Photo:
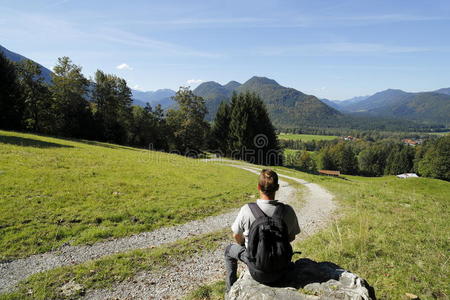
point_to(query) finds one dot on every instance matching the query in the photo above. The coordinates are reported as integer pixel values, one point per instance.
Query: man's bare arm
(239, 238)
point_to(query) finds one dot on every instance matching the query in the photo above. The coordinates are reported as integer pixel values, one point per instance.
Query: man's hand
(239, 238)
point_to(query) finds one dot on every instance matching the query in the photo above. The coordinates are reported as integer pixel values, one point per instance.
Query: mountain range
(162, 97)
(287, 107)
(290, 108)
(431, 107)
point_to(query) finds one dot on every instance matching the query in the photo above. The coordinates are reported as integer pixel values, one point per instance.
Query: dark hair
(268, 181)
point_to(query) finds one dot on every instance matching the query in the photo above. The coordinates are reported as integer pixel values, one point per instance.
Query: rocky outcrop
(308, 280)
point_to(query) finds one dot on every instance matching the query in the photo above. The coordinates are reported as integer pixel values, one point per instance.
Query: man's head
(268, 183)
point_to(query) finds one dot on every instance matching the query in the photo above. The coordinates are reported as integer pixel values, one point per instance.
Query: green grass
(440, 133)
(104, 272)
(55, 191)
(306, 137)
(213, 291)
(393, 232)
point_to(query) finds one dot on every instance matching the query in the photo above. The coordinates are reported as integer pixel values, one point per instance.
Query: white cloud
(124, 67)
(194, 81)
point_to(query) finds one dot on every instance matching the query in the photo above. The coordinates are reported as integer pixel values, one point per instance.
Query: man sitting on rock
(266, 228)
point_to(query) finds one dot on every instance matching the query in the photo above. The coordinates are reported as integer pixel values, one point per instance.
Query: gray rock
(308, 280)
(71, 289)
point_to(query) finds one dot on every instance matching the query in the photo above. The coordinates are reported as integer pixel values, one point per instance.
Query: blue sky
(333, 49)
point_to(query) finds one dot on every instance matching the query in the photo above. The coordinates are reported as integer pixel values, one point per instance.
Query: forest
(367, 157)
(101, 109)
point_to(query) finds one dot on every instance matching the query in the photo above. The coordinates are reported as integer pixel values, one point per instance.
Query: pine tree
(220, 130)
(252, 136)
(11, 100)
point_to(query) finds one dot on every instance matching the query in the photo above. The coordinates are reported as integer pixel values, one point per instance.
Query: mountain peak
(232, 85)
(261, 80)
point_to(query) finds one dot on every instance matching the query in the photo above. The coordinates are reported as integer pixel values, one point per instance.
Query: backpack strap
(279, 211)
(256, 211)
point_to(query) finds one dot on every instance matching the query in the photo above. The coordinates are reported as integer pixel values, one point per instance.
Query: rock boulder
(308, 280)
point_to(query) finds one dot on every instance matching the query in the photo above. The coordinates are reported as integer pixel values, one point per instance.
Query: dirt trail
(176, 281)
(173, 282)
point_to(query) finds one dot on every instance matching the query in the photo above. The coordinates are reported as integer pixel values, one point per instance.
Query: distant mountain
(425, 106)
(445, 91)
(332, 103)
(380, 99)
(286, 106)
(232, 85)
(343, 104)
(214, 93)
(46, 73)
(289, 107)
(162, 96)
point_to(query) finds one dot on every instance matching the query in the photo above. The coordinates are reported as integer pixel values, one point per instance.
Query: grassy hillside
(393, 232)
(55, 191)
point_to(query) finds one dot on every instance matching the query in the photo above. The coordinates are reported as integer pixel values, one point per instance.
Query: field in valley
(306, 137)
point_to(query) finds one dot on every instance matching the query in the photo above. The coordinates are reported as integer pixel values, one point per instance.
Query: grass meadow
(306, 137)
(56, 191)
(393, 232)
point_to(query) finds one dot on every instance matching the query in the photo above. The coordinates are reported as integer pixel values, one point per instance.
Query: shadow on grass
(110, 146)
(27, 142)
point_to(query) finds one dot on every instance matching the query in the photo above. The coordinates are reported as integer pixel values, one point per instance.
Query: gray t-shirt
(245, 218)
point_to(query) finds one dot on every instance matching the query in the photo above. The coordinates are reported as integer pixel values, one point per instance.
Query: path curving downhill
(175, 281)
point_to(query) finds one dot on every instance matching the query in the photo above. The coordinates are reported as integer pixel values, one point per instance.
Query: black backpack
(269, 251)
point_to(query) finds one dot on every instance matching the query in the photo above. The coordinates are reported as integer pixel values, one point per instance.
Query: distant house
(412, 142)
(330, 173)
(349, 138)
(407, 175)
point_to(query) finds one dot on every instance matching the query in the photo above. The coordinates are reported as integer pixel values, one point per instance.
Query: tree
(339, 157)
(252, 136)
(11, 100)
(399, 160)
(36, 94)
(187, 122)
(113, 101)
(305, 162)
(372, 161)
(72, 115)
(436, 161)
(148, 128)
(220, 129)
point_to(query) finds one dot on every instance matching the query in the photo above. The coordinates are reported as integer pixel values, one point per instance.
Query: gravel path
(177, 281)
(173, 282)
